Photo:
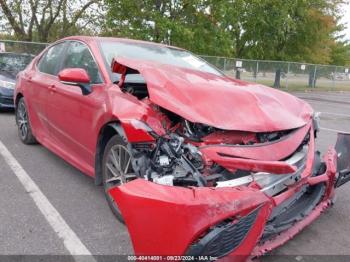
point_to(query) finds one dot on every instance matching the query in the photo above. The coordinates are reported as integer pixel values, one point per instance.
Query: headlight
(137, 131)
(153, 127)
(6, 84)
(137, 124)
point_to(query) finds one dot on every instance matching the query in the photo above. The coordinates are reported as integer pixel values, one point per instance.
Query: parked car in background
(195, 162)
(10, 65)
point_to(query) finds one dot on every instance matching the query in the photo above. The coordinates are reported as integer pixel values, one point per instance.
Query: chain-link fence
(21, 47)
(287, 75)
(279, 74)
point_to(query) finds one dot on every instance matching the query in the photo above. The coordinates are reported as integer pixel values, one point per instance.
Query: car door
(39, 81)
(71, 114)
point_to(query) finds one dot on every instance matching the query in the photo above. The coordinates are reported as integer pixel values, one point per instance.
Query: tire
(23, 123)
(112, 174)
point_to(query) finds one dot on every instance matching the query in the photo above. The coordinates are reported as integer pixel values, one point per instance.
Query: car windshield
(158, 53)
(12, 64)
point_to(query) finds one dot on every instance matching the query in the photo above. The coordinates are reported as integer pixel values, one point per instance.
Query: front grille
(223, 238)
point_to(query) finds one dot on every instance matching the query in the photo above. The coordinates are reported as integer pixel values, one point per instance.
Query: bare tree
(29, 18)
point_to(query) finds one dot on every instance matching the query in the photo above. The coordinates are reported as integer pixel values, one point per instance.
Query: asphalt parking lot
(25, 230)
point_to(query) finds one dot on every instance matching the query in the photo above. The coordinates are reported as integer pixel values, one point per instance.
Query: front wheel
(116, 169)
(23, 124)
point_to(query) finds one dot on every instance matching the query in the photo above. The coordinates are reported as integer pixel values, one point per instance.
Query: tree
(184, 23)
(299, 30)
(294, 30)
(35, 19)
(340, 53)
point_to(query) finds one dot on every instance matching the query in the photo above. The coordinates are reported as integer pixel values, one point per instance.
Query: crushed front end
(199, 190)
(203, 191)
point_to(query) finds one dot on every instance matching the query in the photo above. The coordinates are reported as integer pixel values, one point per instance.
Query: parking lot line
(58, 224)
(335, 114)
(333, 130)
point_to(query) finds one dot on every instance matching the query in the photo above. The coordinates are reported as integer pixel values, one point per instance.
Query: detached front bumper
(230, 223)
(165, 220)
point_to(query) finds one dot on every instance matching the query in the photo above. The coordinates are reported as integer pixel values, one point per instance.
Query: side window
(49, 61)
(78, 56)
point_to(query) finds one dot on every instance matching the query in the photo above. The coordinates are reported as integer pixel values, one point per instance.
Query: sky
(346, 19)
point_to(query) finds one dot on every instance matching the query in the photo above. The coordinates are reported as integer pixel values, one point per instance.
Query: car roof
(116, 39)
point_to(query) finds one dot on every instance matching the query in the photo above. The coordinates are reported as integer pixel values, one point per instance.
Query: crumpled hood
(220, 101)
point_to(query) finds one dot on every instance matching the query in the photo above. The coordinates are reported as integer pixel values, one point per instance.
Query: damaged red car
(194, 162)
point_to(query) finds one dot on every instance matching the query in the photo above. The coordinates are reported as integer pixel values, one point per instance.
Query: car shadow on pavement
(7, 111)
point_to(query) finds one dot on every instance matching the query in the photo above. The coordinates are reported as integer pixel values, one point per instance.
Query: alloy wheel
(118, 166)
(22, 120)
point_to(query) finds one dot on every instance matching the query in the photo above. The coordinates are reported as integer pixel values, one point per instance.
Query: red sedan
(196, 163)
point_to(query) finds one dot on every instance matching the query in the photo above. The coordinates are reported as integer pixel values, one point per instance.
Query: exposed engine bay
(175, 159)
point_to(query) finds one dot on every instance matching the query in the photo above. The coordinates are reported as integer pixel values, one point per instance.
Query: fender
(106, 132)
(109, 130)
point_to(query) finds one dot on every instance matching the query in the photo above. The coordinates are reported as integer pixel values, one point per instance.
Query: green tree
(184, 23)
(300, 30)
(295, 30)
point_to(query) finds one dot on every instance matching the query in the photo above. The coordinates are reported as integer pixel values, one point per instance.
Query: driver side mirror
(76, 77)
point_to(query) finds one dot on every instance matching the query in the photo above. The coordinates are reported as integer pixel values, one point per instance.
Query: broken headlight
(139, 125)
(140, 131)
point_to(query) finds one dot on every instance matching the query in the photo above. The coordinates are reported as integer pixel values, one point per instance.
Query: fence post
(334, 76)
(314, 78)
(225, 65)
(257, 71)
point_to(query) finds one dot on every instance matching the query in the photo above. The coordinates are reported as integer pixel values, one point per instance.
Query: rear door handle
(52, 88)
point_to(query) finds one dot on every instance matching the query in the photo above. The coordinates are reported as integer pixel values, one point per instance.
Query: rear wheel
(116, 169)
(23, 124)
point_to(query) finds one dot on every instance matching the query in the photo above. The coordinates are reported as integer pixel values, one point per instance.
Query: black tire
(110, 171)
(23, 123)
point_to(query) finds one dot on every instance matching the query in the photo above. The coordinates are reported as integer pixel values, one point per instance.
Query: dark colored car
(195, 162)
(10, 65)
